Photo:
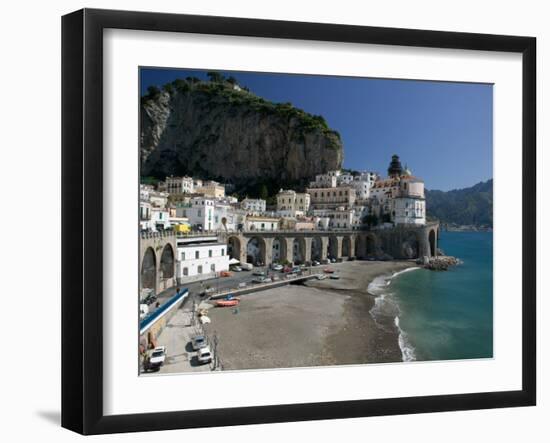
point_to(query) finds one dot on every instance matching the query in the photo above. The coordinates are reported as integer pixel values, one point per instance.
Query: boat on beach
(227, 303)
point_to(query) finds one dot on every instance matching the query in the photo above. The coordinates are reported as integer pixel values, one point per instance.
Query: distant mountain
(468, 206)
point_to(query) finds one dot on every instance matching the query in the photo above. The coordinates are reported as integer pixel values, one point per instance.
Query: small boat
(227, 303)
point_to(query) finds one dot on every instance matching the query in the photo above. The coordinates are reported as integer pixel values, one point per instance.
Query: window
(210, 253)
(183, 256)
(199, 213)
(213, 267)
(223, 252)
(199, 269)
(196, 254)
(263, 226)
(185, 271)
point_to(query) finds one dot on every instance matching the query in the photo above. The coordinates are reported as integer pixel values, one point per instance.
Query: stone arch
(370, 245)
(316, 248)
(410, 248)
(360, 246)
(432, 242)
(278, 249)
(298, 250)
(167, 262)
(346, 246)
(333, 246)
(149, 270)
(256, 251)
(234, 247)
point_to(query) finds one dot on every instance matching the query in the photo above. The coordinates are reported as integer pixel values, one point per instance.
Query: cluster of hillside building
(333, 201)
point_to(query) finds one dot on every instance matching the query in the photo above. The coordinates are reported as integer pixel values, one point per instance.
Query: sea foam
(386, 308)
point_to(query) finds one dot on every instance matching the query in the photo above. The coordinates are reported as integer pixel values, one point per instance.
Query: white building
(225, 216)
(200, 212)
(179, 185)
(253, 205)
(200, 258)
(333, 197)
(259, 223)
(209, 188)
(158, 199)
(292, 204)
(328, 180)
(160, 219)
(409, 206)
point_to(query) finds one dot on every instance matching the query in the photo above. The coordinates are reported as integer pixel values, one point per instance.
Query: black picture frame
(82, 230)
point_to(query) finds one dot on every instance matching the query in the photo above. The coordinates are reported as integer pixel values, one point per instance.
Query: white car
(198, 342)
(204, 355)
(237, 269)
(261, 280)
(156, 358)
(277, 267)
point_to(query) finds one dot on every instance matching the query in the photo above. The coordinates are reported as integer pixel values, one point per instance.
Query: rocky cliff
(217, 130)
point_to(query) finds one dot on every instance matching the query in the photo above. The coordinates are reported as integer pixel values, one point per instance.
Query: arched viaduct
(157, 263)
(158, 251)
(266, 247)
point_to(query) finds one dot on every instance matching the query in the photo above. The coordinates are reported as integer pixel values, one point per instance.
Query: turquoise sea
(443, 315)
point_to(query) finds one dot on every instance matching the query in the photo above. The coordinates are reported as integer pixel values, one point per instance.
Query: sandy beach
(323, 322)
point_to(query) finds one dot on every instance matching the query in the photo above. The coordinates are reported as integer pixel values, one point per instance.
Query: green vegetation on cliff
(218, 130)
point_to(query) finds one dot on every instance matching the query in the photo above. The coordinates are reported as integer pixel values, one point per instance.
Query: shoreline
(365, 337)
(318, 323)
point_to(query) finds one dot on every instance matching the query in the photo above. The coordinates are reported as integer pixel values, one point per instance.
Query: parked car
(155, 359)
(242, 284)
(333, 260)
(261, 280)
(204, 355)
(225, 274)
(258, 272)
(199, 342)
(321, 276)
(236, 269)
(328, 271)
(277, 267)
(296, 269)
(247, 266)
(335, 276)
(315, 263)
(287, 269)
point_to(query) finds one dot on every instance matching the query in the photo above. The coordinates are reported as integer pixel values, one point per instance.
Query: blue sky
(441, 130)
